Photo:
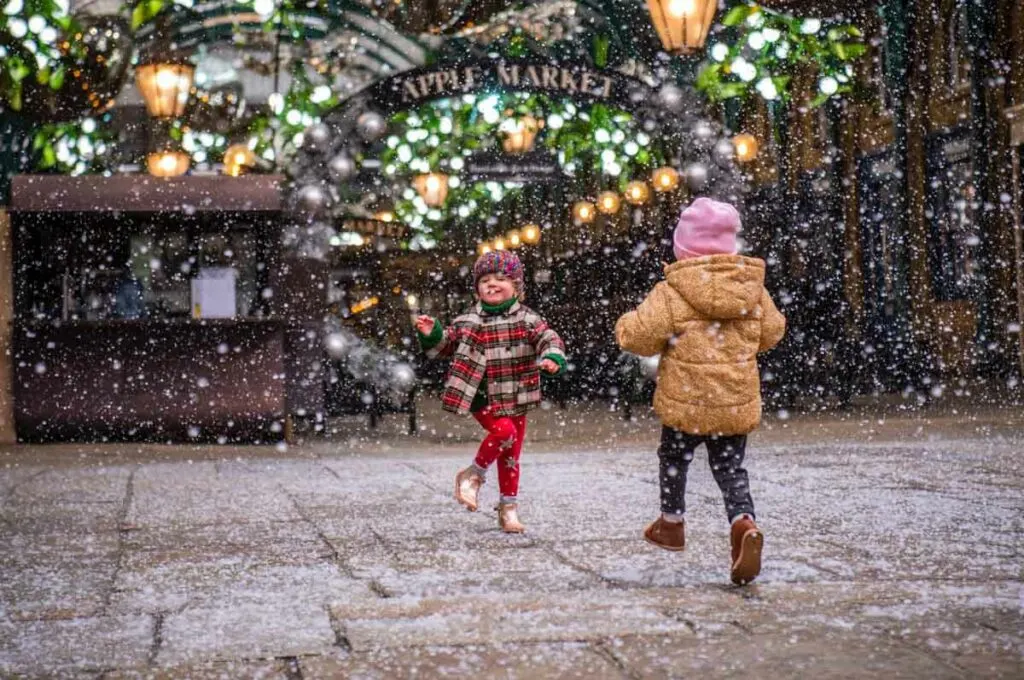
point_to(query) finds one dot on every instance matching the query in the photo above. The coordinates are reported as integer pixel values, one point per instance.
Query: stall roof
(144, 193)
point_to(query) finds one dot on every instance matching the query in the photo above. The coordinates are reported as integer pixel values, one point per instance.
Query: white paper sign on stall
(213, 293)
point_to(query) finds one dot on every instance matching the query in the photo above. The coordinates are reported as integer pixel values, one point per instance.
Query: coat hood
(719, 286)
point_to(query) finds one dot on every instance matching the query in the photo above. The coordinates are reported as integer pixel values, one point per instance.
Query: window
(951, 211)
(957, 67)
(99, 266)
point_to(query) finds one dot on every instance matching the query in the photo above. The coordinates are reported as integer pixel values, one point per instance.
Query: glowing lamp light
(484, 248)
(167, 163)
(499, 244)
(584, 212)
(746, 147)
(385, 216)
(682, 25)
(665, 179)
(237, 158)
(165, 87)
(432, 188)
(530, 234)
(609, 203)
(513, 239)
(520, 134)
(637, 193)
(363, 305)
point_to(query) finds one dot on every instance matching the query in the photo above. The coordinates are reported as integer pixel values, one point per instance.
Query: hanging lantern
(530, 234)
(165, 86)
(167, 163)
(637, 193)
(520, 134)
(432, 188)
(682, 25)
(514, 239)
(583, 212)
(237, 158)
(665, 179)
(609, 203)
(746, 147)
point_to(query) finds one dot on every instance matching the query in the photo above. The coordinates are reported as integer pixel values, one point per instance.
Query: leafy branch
(768, 50)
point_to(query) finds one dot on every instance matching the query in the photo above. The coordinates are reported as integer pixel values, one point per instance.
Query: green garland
(768, 50)
(30, 49)
(599, 146)
(77, 147)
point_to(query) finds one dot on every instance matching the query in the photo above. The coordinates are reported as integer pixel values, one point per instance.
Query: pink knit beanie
(706, 227)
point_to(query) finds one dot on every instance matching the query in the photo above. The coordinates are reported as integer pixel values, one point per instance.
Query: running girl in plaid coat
(495, 374)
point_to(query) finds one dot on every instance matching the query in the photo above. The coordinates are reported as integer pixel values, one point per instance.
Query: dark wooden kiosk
(144, 308)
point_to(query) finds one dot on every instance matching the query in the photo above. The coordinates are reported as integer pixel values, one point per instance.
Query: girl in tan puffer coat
(708, 320)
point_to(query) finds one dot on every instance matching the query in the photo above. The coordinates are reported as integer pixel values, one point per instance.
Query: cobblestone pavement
(892, 554)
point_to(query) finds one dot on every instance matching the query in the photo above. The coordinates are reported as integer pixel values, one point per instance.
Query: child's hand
(424, 324)
(549, 366)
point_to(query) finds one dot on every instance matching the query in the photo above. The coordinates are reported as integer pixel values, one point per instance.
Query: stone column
(7, 434)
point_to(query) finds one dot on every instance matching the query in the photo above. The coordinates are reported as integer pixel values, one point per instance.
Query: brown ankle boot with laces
(467, 488)
(747, 542)
(508, 518)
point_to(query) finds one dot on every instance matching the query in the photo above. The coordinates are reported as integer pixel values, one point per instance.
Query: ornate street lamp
(432, 188)
(665, 179)
(520, 134)
(608, 202)
(637, 193)
(530, 234)
(746, 147)
(167, 163)
(238, 158)
(682, 25)
(165, 85)
(583, 212)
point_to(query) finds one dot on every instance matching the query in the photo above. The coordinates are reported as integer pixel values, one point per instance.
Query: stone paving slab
(236, 669)
(55, 575)
(850, 656)
(535, 661)
(196, 494)
(234, 631)
(68, 648)
(181, 585)
(490, 619)
(431, 573)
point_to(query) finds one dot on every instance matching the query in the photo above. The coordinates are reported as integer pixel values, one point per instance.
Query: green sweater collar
(499, 309)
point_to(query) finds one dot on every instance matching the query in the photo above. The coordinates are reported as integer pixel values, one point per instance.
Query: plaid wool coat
(505, 347)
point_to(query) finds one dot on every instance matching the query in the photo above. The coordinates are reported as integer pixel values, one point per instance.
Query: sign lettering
(413, 87)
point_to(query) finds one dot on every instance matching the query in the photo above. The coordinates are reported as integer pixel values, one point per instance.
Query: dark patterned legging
(725, 455)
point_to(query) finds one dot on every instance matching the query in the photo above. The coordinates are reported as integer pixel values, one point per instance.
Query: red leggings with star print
(503, 443)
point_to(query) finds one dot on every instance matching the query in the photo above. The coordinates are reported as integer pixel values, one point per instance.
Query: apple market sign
(410, 88)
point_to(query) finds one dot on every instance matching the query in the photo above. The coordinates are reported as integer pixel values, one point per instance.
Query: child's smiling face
(494, 289)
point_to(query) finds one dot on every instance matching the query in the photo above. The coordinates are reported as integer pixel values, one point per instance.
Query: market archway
(595, 132)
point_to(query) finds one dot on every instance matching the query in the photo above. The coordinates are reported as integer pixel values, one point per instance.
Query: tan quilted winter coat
(708, 319)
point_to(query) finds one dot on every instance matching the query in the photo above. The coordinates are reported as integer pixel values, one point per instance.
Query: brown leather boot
(667, 535)
(747, 541)
(467, 488)
(508, 518)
